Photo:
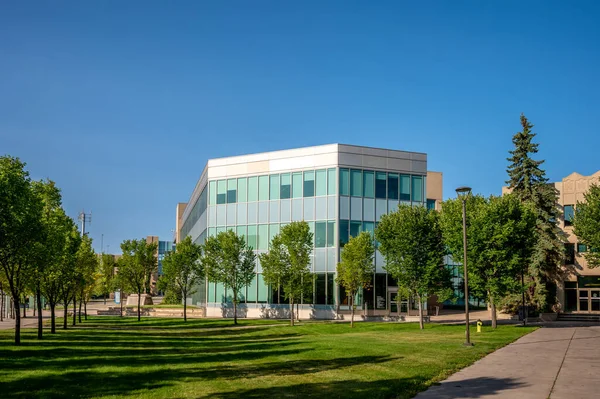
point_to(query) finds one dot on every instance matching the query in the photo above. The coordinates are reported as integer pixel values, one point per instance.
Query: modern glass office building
(339, 190)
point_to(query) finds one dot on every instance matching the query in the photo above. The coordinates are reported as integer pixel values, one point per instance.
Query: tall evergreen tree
(529, 183)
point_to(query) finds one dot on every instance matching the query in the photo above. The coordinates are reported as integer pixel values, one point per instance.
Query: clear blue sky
(121, 103)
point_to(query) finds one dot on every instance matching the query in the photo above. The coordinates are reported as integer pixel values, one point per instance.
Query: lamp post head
(463, 191)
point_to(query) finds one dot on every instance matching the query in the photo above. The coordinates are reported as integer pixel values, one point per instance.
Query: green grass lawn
(203, 358)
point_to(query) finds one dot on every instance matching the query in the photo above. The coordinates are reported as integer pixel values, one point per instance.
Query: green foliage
(228, 260)
(411, 242)
(356, 269)
(528, 182)
(587, 224)
(106, 274)
(182, 269)
(87, 265)
(500, 237)
(286, 265)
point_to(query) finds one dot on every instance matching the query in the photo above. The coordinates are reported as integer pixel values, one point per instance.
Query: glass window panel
(569, 213)
(231, 191)
(212, 231)
(211, 292)
(404, 188)
(369, 227)
(263, 212)
(355, 228)
(242, 189)
(263, 290)
(212, 215)
(221, 215)
(212, 189)
(286, 211)
(252, 215)
(274, 187)
(331, 264)
(344, 228)
(344, 208)
(241, 232)
(368, 184)
(380, 291)
(356, 208)
(252, 189)
(273, 231)
(252, 238)
(309, 209)
(431, 204)
(231, 214)
(220, 230)
(297, 185)
(321, 208)
(344, 182)
(331, 207)
(311, 227)
(321, 182)
(320, 292)
(392, 206)
(251, 295)
(417, 188)
(297, 210)
(242, 215)
(263, 188)
(331, 181)
(330, 233)
(380, 185)
(393, 186)
(320, 260)
(330, 286)
(221, 192)
(274, 211)
(380, 209)
(263, 236)
(286, 186)
(309, 183)
(581, 247)
(369, 209)
(320, 234)
(356, 183)
(220, 293)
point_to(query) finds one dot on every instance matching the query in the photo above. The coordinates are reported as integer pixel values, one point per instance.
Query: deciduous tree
(587, 225)
(287, 263)
(136, 266)
(411, 242)
(356, 269)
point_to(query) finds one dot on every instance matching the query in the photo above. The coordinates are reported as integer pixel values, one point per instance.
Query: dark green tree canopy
(587, 224)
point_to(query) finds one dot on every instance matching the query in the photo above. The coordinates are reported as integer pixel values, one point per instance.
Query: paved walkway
(553, 362)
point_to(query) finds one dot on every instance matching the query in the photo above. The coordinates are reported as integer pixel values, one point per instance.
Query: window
(309, 183)
(569, 213)
(380, 185)
(320, 291)
(321, 182)
(344, 226)
(274, 194)
(380, 291)
(297, 185)
(263, 188)
(393, 186)
(263, 236)
(330, 285)
(356, 183)
(320, 234)
(273, 231)
(330, 233)
(370, 227)
(331, 181)
(231, 191)
(569, 253)
(404, 188)
(242, 191)
(252, 238)
(368, 184)
(431, 204)
(581, 247)
(251, 296)
(252, 189)
(262, 289)
(212, 188)
(355, 228)
(286, 186)
(344, 182)
(417, 188)
(221, 192)
(241, 232)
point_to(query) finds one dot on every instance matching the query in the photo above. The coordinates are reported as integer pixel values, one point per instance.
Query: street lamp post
(462, 193)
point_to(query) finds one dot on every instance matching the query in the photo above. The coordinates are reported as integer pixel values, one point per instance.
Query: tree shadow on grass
(87, 383)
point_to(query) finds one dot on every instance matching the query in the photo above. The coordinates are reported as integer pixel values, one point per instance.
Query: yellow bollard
(479, 324)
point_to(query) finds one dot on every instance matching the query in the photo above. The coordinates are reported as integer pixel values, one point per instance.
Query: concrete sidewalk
(552, 362)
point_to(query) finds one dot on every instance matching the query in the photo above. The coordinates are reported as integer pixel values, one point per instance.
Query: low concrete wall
(192, 312)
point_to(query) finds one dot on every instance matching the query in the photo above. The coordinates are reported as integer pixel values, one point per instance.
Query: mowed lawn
(167, 358)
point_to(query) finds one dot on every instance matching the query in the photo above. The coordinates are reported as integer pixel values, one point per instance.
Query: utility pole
(84, 218)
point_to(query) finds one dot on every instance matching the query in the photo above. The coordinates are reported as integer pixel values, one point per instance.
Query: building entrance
(397, 306)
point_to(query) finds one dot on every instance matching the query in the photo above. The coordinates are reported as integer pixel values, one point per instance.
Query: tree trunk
(493, 312)
(234, 307)
(184, 306)
(85, 310)
(297, 311)
(38, 297)
(139, 303)
(421, 326)
(80, 300)
(121, 302)
(352, 309)
(24, 307)
(17, 321)
(1, 303)
(74, 309)
(292, 311)
(66, 310)
(52, 318)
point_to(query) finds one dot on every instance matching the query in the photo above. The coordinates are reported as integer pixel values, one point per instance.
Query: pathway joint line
(561, 364)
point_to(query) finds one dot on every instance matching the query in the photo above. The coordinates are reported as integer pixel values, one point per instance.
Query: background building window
(581, 247)
(252, 189)
(569, 253)
(286, 186)
(569, 213)
(380, 185)
(309, 183)
(417, 188)
(321, 182)
(431, 204)
(297, 185)
(356, 183)
(368, 184)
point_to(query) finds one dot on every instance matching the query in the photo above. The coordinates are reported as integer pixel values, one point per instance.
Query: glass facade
(337, 203)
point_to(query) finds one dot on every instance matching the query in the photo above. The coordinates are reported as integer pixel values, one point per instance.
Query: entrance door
(393, 303)
(595, 300)
(584, 301)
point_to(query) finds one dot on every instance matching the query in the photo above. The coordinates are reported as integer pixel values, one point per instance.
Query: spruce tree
(529, 183)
